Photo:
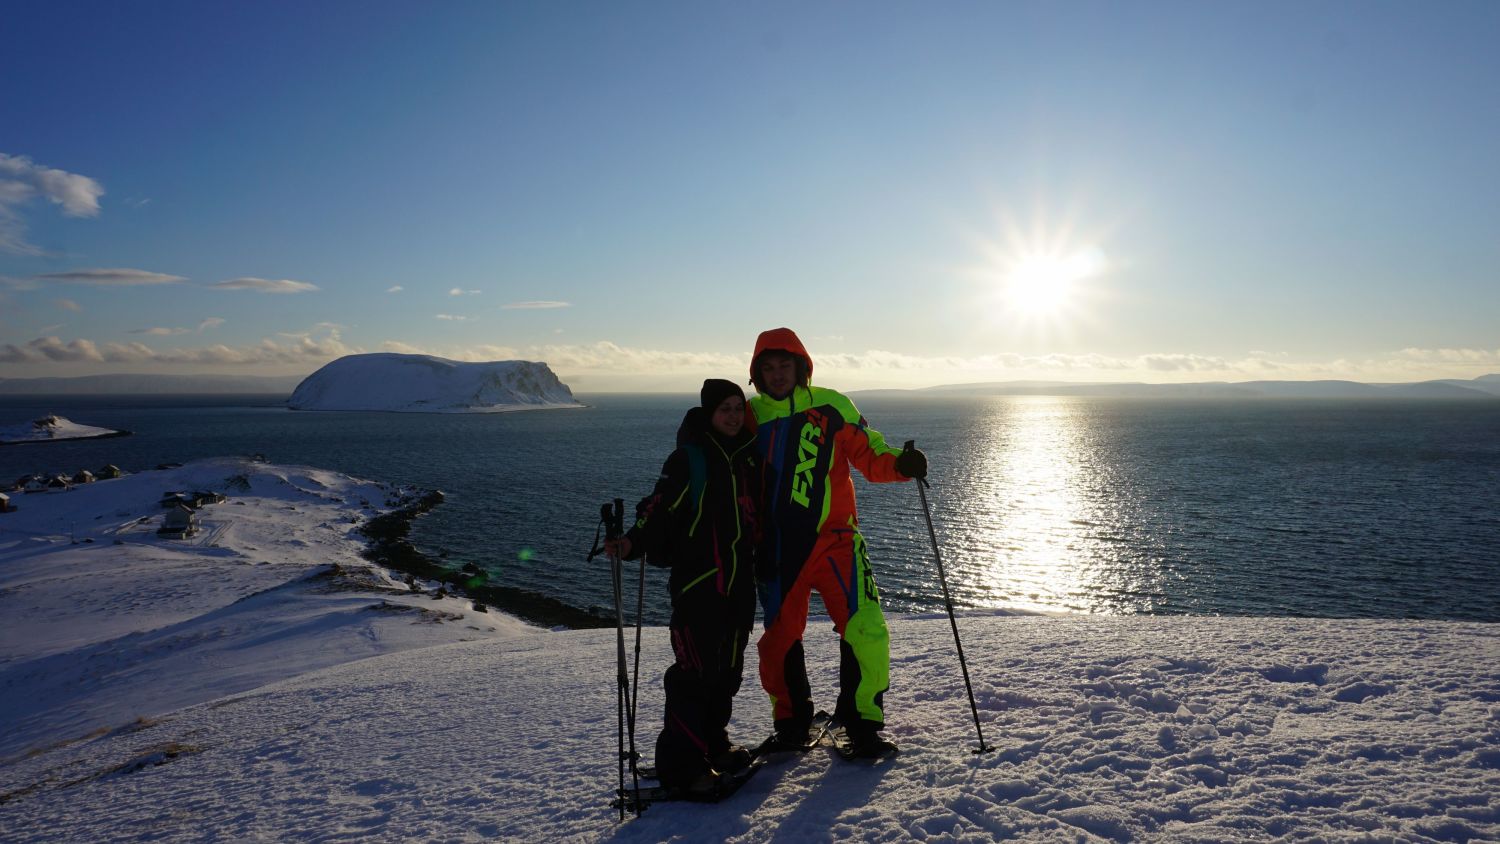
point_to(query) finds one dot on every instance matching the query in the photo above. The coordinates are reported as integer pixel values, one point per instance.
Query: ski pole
(635, 680)
(613, 518)
(614, 576)
(948, 602)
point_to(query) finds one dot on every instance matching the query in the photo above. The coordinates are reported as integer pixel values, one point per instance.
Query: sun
(1044, 284)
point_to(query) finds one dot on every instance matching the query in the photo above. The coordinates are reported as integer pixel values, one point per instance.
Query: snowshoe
(709, 788)
(778, 743)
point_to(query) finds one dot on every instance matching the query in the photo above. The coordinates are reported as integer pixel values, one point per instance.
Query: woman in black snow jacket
(700, 521)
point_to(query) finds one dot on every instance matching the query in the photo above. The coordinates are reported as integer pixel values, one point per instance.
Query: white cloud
(51, 349)
(1185, 363)
(452, 317)
(458, 291)
(395, 288)
(265, 285)
(68, 305)
(306, 350)
(113, 277)
(400, 348)
(1481, 357)
(534, 306)
(602, 356)
(22, 180)
(210, 322)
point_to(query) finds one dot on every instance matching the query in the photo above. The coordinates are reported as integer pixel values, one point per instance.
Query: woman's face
(729, 416)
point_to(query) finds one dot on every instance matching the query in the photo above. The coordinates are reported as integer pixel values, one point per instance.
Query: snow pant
(709, 634)
(839, 569)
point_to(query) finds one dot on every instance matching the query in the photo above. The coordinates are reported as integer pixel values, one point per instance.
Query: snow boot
(860, 742)
(736, 758)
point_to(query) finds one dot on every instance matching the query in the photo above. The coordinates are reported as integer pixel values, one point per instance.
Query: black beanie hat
(716, 390)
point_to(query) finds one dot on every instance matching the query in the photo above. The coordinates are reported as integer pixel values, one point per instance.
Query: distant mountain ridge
(1483, 387)
(150, 384)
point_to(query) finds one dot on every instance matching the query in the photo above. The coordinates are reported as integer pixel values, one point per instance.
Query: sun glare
(1042, 285)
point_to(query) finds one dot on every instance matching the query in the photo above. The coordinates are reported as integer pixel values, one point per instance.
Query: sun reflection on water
(1039, 535)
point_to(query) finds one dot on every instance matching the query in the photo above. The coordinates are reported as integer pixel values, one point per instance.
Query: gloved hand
(912, 463)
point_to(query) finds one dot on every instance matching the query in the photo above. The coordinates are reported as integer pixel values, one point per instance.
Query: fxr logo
(807, 457)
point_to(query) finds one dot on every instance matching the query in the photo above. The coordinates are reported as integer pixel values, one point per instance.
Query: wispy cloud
(307, 350)
(452, 317)
(602, 356)
(395, 288)
(113, 277)
(265, 285)
(68, 305)
(458, 291)
(51, 349)
(210, 322)
(22, 181)
(535, 306)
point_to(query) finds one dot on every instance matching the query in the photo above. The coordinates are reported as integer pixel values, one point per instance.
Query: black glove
(912, 463)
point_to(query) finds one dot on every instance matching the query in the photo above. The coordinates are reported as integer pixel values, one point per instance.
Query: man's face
(778, 371)
(729, 416)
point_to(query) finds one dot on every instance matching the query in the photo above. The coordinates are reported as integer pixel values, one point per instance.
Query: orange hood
(778, 340)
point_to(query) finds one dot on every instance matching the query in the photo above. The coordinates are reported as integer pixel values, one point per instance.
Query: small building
(202, 497)
(35, 483)
(84, 476)
(180, 523)
(22, 481)
(58, 483)
(177, 499)
(5, 506)
(109, 473)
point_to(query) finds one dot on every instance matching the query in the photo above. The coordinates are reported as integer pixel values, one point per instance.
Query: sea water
(1348, 508)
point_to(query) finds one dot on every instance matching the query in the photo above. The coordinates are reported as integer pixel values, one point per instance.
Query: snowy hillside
(50, 429)
(235, 686)
(424, 384)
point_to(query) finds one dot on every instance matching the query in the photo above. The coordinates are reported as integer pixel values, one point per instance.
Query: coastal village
(181, 520)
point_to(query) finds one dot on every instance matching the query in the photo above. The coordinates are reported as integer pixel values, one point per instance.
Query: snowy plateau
(425, 384)
(261, 680)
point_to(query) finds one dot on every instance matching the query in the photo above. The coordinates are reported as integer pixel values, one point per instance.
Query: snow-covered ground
(49, 428)
(235, 687)
(386, 381)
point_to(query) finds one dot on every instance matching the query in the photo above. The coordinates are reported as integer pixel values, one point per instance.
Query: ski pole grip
(617, 521)
(911, 445)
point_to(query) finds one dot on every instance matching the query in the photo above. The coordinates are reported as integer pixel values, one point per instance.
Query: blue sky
(928, 193)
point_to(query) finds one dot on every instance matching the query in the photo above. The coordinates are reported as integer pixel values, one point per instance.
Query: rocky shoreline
(389, 547)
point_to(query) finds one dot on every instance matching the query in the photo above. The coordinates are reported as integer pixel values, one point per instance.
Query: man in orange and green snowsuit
(807, 438)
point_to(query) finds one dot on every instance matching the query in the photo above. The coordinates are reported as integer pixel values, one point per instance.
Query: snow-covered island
(259, 680)
(425, 384)
(53, 428)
